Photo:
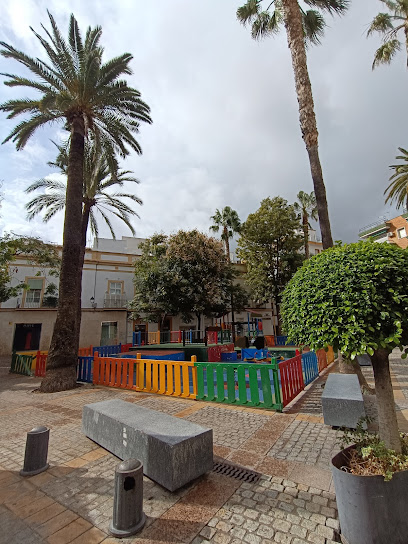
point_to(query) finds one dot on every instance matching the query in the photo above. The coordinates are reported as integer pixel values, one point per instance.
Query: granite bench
(173, 451)
(342, 401)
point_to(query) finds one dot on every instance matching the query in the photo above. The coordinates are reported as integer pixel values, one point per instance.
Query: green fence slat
(266, 387)
(200, 383)
(253, 385)
(210, 382)
(242, 389)
(220, 383)
(278, 397)
(231, 383)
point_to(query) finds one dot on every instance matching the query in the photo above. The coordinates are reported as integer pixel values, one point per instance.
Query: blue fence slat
(310, 366)
(85, 369)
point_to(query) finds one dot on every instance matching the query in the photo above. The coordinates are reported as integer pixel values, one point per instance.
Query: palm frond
(386, 52)
(45, 183)
(381, 23)
(313, 26)
(398, 188)
(248, 12)
(334, 7)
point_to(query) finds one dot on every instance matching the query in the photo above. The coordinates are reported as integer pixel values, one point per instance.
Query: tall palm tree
(389, 25)
(228, 220)
(98, 179)
(88, 97)
(398, 188)
(307, 209)
(302, 26)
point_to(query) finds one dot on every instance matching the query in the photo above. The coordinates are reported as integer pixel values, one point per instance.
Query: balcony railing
(32, 304)
(115, 301)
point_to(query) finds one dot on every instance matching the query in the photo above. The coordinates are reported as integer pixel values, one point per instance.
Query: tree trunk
(294, 30)
(387, 417)
(347, 366)
(305, 221)
(227, 247)
(63, 353)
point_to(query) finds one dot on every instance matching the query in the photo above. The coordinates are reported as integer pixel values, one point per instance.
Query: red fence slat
(291, 375)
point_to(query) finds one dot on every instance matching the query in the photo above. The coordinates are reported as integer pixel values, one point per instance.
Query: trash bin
(128, 515)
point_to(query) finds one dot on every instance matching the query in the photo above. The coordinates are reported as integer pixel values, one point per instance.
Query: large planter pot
(371, 511)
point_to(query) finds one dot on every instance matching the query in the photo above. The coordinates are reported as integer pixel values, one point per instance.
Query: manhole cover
(234, 471)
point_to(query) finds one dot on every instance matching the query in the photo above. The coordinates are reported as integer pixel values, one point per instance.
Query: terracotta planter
(371, 511)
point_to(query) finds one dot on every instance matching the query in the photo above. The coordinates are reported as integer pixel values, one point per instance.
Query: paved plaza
(293, 502)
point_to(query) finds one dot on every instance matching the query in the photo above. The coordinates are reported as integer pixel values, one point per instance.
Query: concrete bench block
(173, 451)
(342, 401)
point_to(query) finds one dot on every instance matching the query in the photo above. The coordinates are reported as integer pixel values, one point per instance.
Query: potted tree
(355, 298)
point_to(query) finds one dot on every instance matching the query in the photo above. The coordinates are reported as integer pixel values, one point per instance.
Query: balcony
(115, 301)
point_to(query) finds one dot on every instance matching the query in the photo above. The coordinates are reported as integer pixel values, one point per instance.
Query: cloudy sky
(225, 120)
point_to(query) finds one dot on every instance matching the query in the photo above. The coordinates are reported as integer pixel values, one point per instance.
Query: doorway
(27, 337)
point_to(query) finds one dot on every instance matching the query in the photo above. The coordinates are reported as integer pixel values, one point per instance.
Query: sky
(225, 126)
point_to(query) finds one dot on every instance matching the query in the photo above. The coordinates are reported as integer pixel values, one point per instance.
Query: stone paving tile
(231, 428)
(274, 510)
(167, 405)
(306, 442)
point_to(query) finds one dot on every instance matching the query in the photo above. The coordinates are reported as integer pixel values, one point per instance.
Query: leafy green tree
(99, 179)
(38, 254)
(87, 95)
(389, 25)
(269, 245)
(306, 208)
(303, 26)
(228, 221)
(353, 297)
(398, 188)
(155, 297)
(186, 273)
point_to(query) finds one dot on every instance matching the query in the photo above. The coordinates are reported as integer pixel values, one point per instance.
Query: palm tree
(89, 97)
(389, 25)
(228, 220)
(306, 208)
(398, 188)
(302, 26)
(98, 179)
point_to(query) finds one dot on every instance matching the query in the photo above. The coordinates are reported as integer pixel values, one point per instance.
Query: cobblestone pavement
(72, 502)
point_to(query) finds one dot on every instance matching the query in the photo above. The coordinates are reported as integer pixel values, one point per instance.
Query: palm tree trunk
(295, 36)
(226, 240)
(305, 221)
(63, 353)
(387, 417)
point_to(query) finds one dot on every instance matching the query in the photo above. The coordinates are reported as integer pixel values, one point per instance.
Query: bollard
(36, 452)
(128, 515)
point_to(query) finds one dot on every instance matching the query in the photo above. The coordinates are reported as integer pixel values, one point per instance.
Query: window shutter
(35, 283)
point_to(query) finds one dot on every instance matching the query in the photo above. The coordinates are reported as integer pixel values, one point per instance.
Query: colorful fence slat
(321, 359)
(85, 369)
(330, 355)
(310, 366)
(239, 383)
(40, 364)
(107, 351)
(85, 352)
(21, 364)
(172, 378)
(291, 378)
(124, 348)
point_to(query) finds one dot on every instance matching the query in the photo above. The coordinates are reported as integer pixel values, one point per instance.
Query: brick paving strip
(72, 502)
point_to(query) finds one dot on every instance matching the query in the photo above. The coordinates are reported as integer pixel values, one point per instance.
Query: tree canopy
(228, 221)
(269, 245)
(354, 298)
(306, 207)
(186, 273)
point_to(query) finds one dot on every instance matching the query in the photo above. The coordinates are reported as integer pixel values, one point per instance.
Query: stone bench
(173, 451)
(342, 401)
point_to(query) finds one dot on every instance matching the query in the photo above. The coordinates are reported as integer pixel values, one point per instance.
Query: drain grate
(237, 472)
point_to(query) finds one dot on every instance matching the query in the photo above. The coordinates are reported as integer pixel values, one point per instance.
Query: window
(402, 233)
(33, 294)
(115, 287)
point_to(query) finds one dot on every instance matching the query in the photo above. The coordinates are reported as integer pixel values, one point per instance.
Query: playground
(291, 500)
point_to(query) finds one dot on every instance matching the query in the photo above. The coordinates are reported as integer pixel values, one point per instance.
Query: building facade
(391, 231)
